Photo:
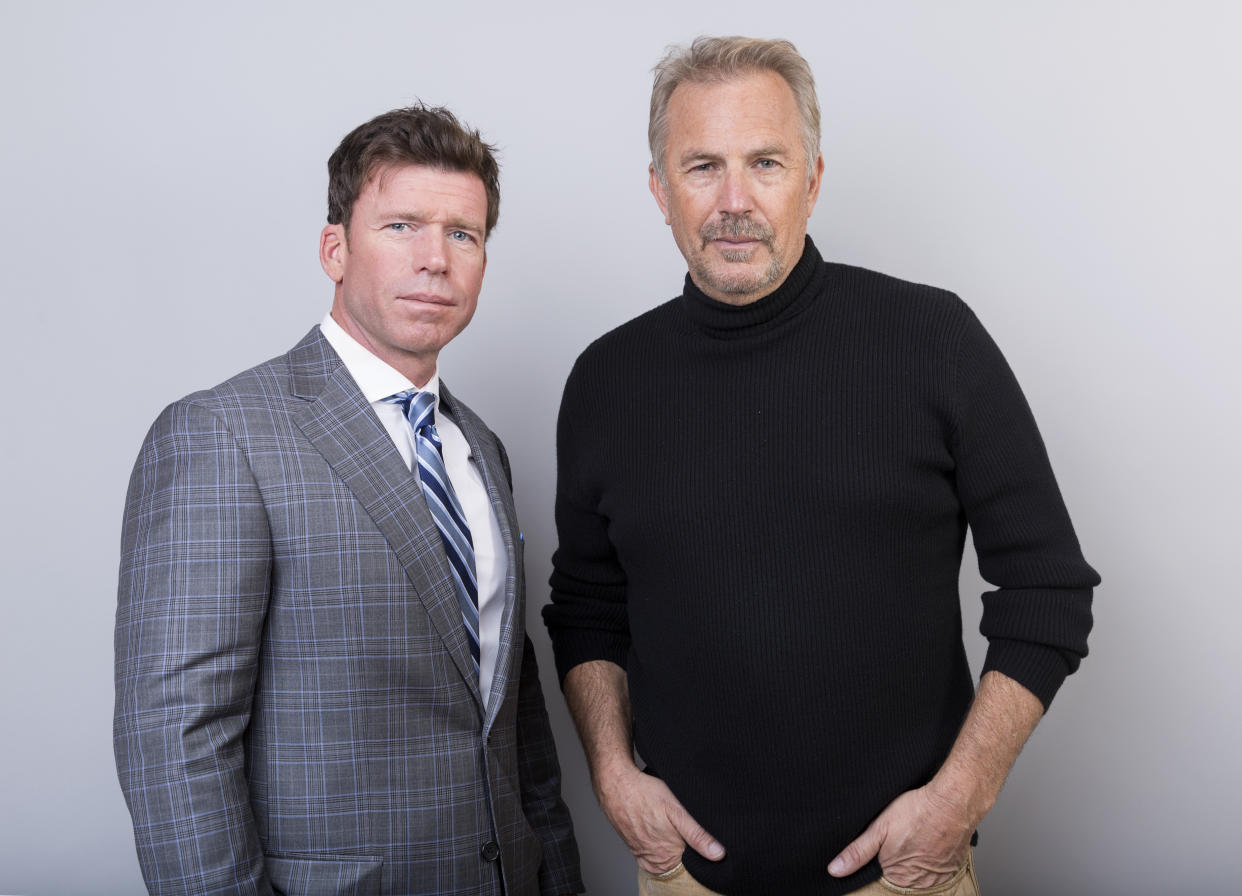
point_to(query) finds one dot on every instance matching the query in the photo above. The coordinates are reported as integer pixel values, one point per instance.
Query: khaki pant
(678, 882)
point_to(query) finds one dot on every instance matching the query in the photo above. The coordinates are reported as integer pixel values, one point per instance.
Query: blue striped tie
(420, 410)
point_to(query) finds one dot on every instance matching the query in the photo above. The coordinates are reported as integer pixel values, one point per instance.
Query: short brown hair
(720, 58)
(415, 135)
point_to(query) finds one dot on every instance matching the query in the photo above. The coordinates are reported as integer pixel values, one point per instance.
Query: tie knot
(419, 407)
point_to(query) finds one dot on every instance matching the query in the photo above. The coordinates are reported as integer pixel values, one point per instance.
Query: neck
(417, 368)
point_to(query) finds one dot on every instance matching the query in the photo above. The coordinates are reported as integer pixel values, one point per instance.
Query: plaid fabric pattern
(296, 708)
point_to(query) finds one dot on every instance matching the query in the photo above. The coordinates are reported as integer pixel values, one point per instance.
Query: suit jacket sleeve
(541, 785)
(195, 565)
(539, 770)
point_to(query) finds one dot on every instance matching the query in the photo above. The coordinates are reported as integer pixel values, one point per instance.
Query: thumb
(865, 848)
(693, 833)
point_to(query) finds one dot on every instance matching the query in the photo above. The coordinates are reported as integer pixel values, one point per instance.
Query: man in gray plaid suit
(312, 695)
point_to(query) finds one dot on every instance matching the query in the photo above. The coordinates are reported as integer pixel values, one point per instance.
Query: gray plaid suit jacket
(296, 710)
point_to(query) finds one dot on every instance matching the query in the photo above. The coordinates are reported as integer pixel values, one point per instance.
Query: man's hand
(651, 821)
(654, 825)
(921, 839)
(923, 836)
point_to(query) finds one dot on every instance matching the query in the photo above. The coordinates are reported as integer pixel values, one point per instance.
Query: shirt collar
(375, 378)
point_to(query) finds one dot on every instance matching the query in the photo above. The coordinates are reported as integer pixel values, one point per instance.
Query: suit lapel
(342, 426)
(492, 468)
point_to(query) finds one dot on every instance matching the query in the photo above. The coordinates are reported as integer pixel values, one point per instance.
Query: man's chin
(737, 279)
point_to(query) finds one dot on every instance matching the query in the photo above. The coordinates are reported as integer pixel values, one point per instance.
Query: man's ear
(658, 191)
(817, 180)
(333, 251)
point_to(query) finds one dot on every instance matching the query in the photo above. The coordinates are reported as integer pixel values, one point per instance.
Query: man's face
(738, 194)
(408, 276)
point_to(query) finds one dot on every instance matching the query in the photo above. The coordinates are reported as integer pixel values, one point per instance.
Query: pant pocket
(674, 882)
(962, 883)
(675, 871)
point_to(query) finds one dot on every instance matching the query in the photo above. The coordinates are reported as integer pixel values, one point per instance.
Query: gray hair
(721, 58)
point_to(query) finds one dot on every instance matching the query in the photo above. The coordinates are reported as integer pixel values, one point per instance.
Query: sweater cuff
(572, 647)
(1038, 668)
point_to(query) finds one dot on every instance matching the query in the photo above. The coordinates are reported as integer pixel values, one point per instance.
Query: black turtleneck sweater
(761, 513)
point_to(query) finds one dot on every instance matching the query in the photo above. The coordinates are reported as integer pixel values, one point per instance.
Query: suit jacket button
(490, 851)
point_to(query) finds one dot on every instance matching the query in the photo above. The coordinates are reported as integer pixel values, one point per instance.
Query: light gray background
(1071, 170)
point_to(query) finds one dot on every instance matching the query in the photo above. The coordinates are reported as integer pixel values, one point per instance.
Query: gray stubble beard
(741, 227)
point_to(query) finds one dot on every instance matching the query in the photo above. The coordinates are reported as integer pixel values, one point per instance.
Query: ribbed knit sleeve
(587, 617)
(1038, 619)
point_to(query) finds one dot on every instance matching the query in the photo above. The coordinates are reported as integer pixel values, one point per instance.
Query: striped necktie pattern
(419, 410)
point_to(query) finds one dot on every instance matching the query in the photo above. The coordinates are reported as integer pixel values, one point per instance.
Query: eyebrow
(702, 155)
(773, 149)
(417, 217)
(698, 155)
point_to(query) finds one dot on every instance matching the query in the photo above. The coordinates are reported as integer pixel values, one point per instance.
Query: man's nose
(433, 252)
(735, 193)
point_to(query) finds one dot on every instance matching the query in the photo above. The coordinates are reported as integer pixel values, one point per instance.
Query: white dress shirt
(378, 381)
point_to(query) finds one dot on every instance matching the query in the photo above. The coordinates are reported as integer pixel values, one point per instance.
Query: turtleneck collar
(725, 321)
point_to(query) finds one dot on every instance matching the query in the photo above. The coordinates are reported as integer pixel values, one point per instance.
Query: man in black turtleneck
(763, 493)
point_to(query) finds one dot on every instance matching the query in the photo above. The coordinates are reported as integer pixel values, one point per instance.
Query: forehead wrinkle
(754, 106)
(429, 195)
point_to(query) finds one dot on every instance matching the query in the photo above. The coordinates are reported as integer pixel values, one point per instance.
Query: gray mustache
(736, 228)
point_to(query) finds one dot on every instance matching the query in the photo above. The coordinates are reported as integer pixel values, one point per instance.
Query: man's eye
(399, 226)
(766, 163)
(460, 236)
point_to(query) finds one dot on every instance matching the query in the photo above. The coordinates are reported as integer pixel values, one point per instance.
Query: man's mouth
(425, 298)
